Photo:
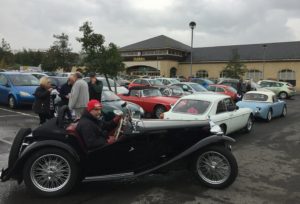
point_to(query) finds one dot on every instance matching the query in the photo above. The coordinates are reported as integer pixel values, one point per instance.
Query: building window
(287, 75)
(254, 74)
(223, 74)
(202, 74)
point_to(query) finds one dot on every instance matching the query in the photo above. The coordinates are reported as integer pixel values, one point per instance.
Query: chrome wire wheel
(50, 172)
(213, 167)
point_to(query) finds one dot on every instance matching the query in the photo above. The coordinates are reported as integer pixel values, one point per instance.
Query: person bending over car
(92, 128)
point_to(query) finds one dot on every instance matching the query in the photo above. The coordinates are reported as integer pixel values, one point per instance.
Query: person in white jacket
(79, 96)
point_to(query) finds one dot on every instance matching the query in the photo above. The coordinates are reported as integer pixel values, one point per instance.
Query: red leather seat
(71, 130)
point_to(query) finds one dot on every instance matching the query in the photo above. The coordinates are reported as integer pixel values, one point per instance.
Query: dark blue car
(17, 88)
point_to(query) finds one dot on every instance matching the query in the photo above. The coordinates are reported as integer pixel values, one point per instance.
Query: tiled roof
(159, 42)
(252, 52)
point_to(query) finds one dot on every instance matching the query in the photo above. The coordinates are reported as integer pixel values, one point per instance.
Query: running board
(109, 177)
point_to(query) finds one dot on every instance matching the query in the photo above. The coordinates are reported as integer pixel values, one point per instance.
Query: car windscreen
(154, 82)
(198, 87)
(109, 96)
(151, 92)
(255, 97)
(174, 81)
(24, 80)
(189, 106)
(111, 82)
(232, 89)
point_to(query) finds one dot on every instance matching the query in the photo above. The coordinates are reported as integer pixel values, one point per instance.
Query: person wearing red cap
(92, 128)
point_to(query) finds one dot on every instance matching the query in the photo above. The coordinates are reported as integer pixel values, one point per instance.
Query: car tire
(12, 102)
(206, 163)
(16, 145)
(283, 95)
(269, 116)
(223, 128)
(284, 111)
(159, 110)
(42, 173)
(249, 124)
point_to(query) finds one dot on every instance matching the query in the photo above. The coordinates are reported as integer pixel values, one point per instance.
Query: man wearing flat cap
(95, 87)
(92, 129)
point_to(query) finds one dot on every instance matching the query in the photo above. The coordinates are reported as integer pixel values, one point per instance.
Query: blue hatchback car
(17, 88)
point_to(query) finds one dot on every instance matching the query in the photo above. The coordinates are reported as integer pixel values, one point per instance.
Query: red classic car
(223, 89)
(150, 99)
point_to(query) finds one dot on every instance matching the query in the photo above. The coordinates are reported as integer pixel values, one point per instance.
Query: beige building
(167, 57)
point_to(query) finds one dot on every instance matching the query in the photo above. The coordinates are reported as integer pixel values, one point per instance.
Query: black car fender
(49, 143)
(213, 139)
(15, 170)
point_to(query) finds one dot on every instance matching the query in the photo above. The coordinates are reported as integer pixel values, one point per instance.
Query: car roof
(15, 73)
(206, 96)
(186, 83)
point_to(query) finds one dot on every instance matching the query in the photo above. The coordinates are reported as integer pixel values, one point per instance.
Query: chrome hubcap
(283, 95)
(11, 102)
(249, 124)
(213, 167)
(50, 173)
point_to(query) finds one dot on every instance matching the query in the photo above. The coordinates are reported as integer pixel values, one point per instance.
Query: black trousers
(44, 117)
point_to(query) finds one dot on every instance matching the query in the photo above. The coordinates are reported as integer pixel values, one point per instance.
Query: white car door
(222, 117)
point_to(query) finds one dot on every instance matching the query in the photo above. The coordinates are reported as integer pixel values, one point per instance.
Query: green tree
(235, 68)
(59, 55)
(6, 56)
(29, 57)
(96, 56)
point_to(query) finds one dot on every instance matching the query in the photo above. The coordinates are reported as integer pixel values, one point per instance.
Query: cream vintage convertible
(218, 108)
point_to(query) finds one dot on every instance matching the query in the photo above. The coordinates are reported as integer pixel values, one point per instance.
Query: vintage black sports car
(53, 158)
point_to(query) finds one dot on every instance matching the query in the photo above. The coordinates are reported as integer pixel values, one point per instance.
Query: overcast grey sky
(32, 23)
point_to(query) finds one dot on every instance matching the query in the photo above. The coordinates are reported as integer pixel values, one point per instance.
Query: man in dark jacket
(95, 87)
(92, 129)
(64, 93)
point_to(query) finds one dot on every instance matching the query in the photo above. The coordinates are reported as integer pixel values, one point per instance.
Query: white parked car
(218, 108)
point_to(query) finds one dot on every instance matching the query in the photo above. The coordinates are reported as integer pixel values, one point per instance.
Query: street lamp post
(265, 47)
(192, 26)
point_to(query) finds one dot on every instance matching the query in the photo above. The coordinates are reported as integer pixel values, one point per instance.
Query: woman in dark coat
(43, 101)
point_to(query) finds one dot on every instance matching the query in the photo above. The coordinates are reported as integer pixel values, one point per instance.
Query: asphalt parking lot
(268, 159)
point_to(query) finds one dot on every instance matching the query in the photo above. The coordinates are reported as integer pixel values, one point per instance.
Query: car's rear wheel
(215, 167)
(283, 95)
(159, 110)
(16, 145)
(269, 116)
(284, 111)
(249, 124)
(12, 102)
(51, 172)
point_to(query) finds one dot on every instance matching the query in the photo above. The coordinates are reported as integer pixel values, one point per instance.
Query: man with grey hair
(79, 94)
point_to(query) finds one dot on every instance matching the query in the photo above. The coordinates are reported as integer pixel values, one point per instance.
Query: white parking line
(7, 142)
(25, 114)
(4, 116)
